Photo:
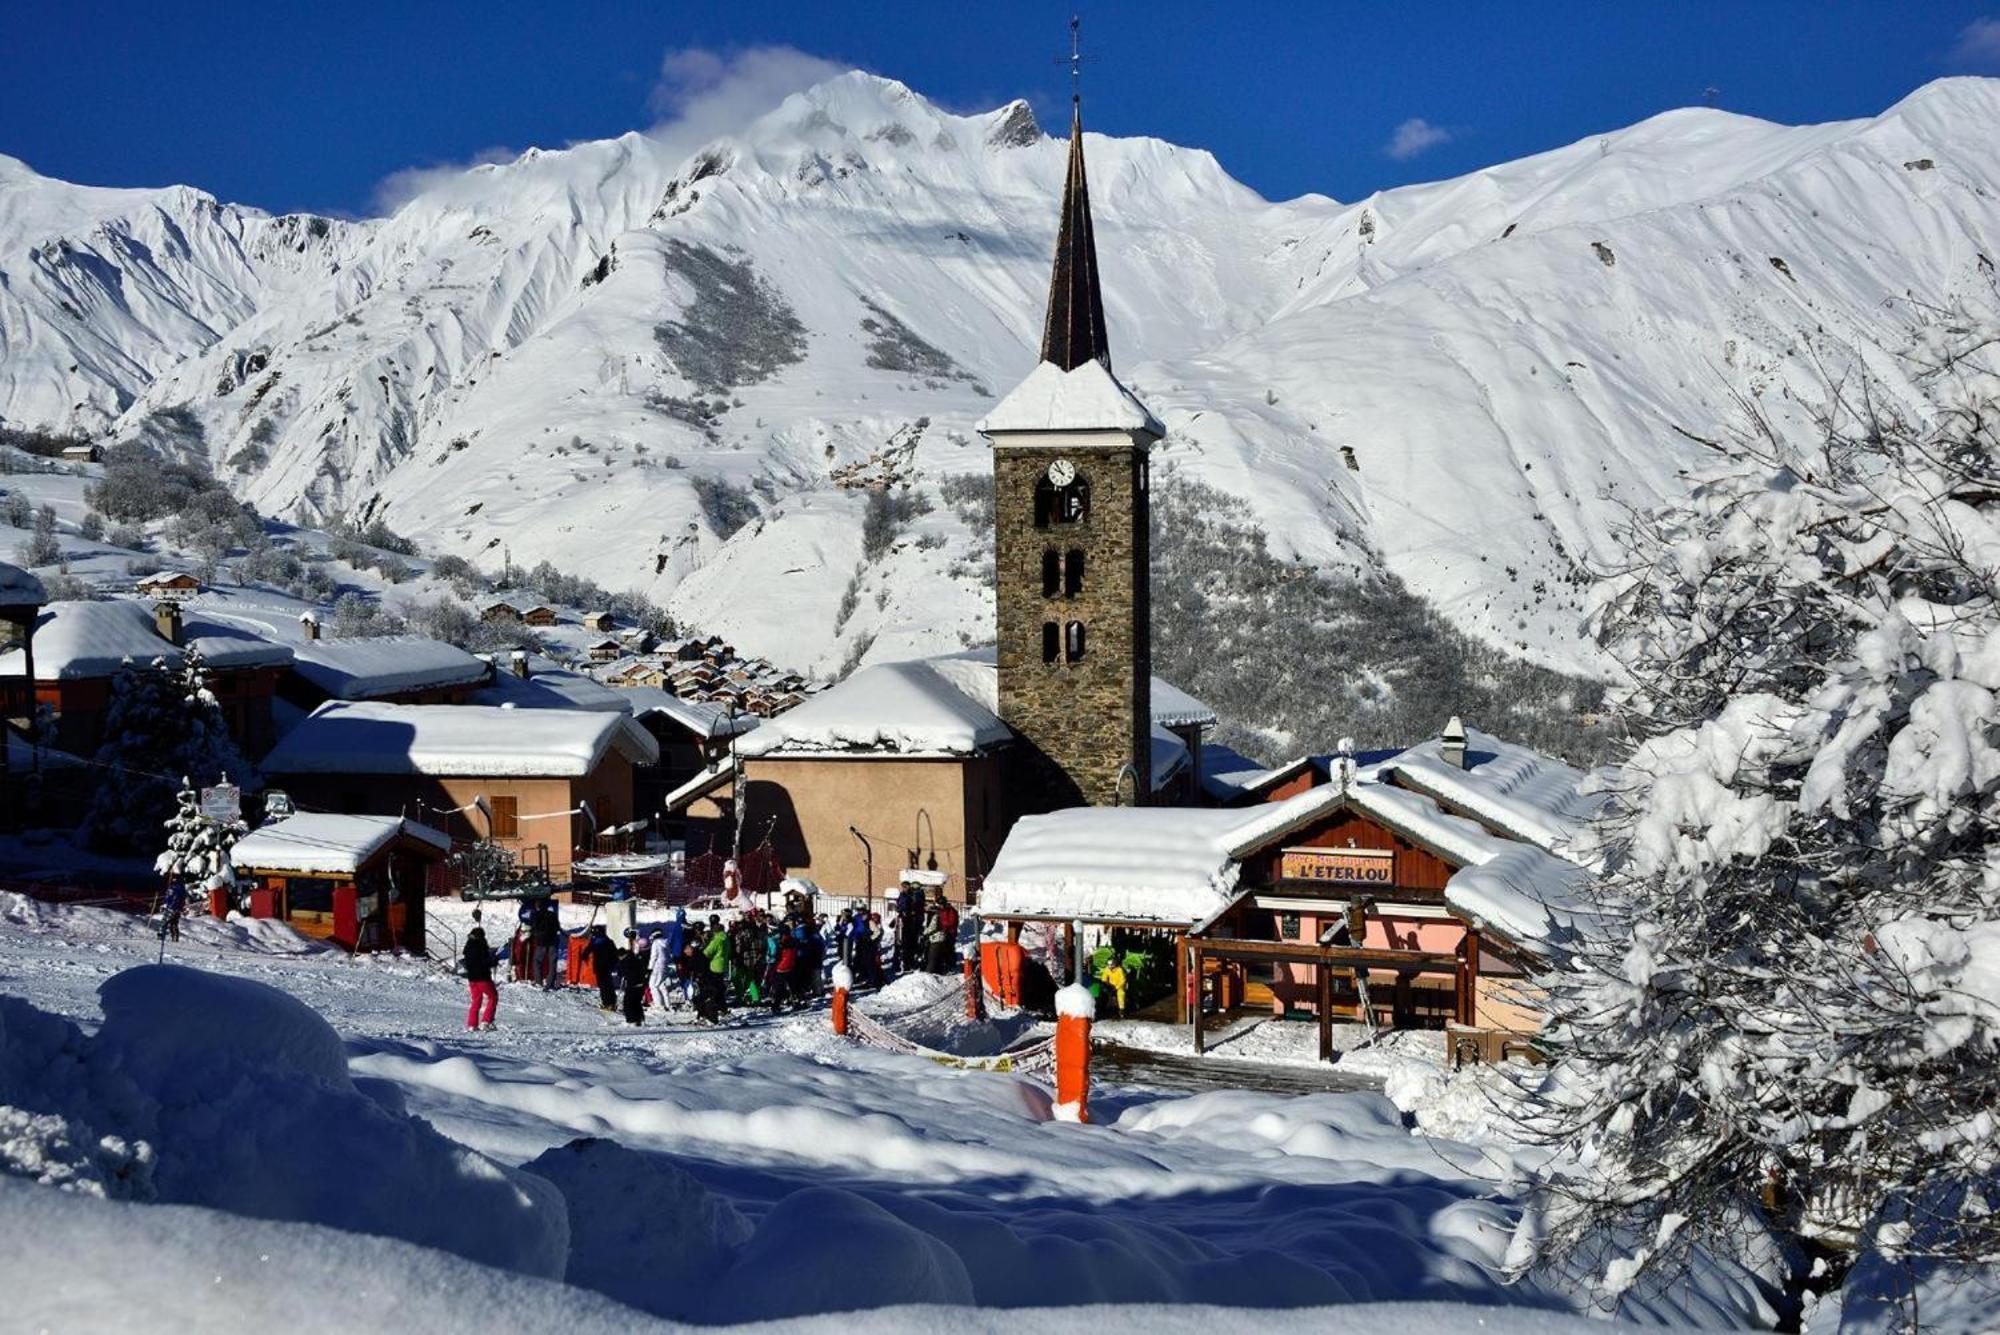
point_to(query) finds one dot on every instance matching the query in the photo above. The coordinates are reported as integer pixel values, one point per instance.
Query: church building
(927, 764)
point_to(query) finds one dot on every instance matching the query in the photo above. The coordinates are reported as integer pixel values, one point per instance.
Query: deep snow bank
(72, 1263)
(209, 1090)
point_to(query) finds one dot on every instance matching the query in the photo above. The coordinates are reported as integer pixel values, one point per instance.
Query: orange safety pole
(843, 979)
(1075, 1010)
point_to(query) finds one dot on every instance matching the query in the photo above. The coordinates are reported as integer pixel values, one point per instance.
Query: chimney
(1451, 746)
(309, 624)
(519, 658)
(167, 620)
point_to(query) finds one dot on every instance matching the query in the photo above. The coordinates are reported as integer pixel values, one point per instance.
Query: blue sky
(315, 106)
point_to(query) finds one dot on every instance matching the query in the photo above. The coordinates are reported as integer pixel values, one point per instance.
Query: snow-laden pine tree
(1789, 1029)
(197, 847)
(163, 723)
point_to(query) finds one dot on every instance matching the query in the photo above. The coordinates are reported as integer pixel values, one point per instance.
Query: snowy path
(865, 1177)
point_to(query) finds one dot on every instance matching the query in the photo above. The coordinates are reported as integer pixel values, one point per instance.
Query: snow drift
(203, 1089)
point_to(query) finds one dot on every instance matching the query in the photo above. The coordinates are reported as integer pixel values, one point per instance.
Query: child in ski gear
(171, 909)
(478, 961)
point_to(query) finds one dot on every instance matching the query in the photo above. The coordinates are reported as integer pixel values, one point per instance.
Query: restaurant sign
(1339, 866)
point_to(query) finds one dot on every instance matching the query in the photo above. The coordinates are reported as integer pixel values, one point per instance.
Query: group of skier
(758, 959)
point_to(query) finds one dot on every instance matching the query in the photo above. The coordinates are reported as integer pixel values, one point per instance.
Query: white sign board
(222, 804)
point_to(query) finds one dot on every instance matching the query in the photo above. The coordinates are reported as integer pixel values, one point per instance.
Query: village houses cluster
(1050, 782)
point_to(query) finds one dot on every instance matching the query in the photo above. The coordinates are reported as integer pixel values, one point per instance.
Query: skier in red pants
(478, 961)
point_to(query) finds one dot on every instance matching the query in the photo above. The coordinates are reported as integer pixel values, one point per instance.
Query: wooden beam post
(1201, 986)
(1069, 951)
(1323, 976)
(1181, 974)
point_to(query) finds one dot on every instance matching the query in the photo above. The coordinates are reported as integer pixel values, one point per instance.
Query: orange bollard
(1075, 1009)
(843, 979)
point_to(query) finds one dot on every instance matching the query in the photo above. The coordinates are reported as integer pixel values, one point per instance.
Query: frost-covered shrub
(41, 548)
(455, 569)
(129, 536)
(736, 330)
(726, 506)
(970, 495)
(139, 484)
(16, 510)
(91, 527)
(357, 616)
(1792, 1027)
(894, 346)
(885, 517)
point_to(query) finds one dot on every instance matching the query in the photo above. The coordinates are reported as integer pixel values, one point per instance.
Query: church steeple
(1074, 330)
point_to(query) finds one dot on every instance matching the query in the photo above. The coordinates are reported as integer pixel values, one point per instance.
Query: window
(1073, 573)
(1051, 574)
(1073, 642)
(1073, 503)
(1051, 641)
(308, 894)
(506, 817)
(1045, 502)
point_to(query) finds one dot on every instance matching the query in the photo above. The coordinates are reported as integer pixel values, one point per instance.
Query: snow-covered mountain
(612, 355)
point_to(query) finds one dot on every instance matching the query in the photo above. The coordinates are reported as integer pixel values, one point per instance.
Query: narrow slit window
(1073, 646)
(1051, 574)
(1045, 503)
(1073, 573)
(1051, 642)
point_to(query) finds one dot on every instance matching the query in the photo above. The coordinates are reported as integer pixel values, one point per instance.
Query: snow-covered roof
(703, 718)
(1510, 788)
(342, 737)
(94, 639)
(1175, 708)
(366, 669)
(944, 706)
(20, 588)
(1089, 398)
(1524, 895)
(1227, 776)
(1118, 864)
(313, 843)
(549, 685)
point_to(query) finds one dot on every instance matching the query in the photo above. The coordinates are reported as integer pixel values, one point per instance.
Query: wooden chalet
(1418, 893)
(169, 584)
(539, 615)
(359, 881)
(598, 621)
(500, 613)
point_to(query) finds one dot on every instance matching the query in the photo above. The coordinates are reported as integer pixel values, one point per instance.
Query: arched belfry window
(1073, 502)
(1051, 641)
(1052, 574)
(1073, 646)
(1072, 582)
(1045, 502)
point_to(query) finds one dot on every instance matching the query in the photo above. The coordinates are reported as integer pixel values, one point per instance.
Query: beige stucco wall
(949, 808)
(608, 789)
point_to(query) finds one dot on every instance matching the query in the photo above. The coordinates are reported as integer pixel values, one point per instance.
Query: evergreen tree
(162, 722)
(1793, 1035)
(197, 847)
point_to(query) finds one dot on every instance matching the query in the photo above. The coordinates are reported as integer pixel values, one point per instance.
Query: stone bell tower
(1071, 546)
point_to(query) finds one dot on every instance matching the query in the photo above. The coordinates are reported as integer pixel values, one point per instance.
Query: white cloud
(1978, 46)
(1415, 135)
(400, 187)
(699, 95)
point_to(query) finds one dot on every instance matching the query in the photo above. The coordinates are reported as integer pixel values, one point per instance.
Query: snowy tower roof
(1072, 388)
(1073, 332)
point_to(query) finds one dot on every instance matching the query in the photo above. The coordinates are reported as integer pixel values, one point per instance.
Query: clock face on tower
(1062, 472)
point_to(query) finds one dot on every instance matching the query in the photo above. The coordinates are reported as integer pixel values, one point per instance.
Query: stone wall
(1079, 723)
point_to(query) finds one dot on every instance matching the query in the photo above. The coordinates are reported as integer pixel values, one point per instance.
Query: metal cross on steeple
(1076, 58)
